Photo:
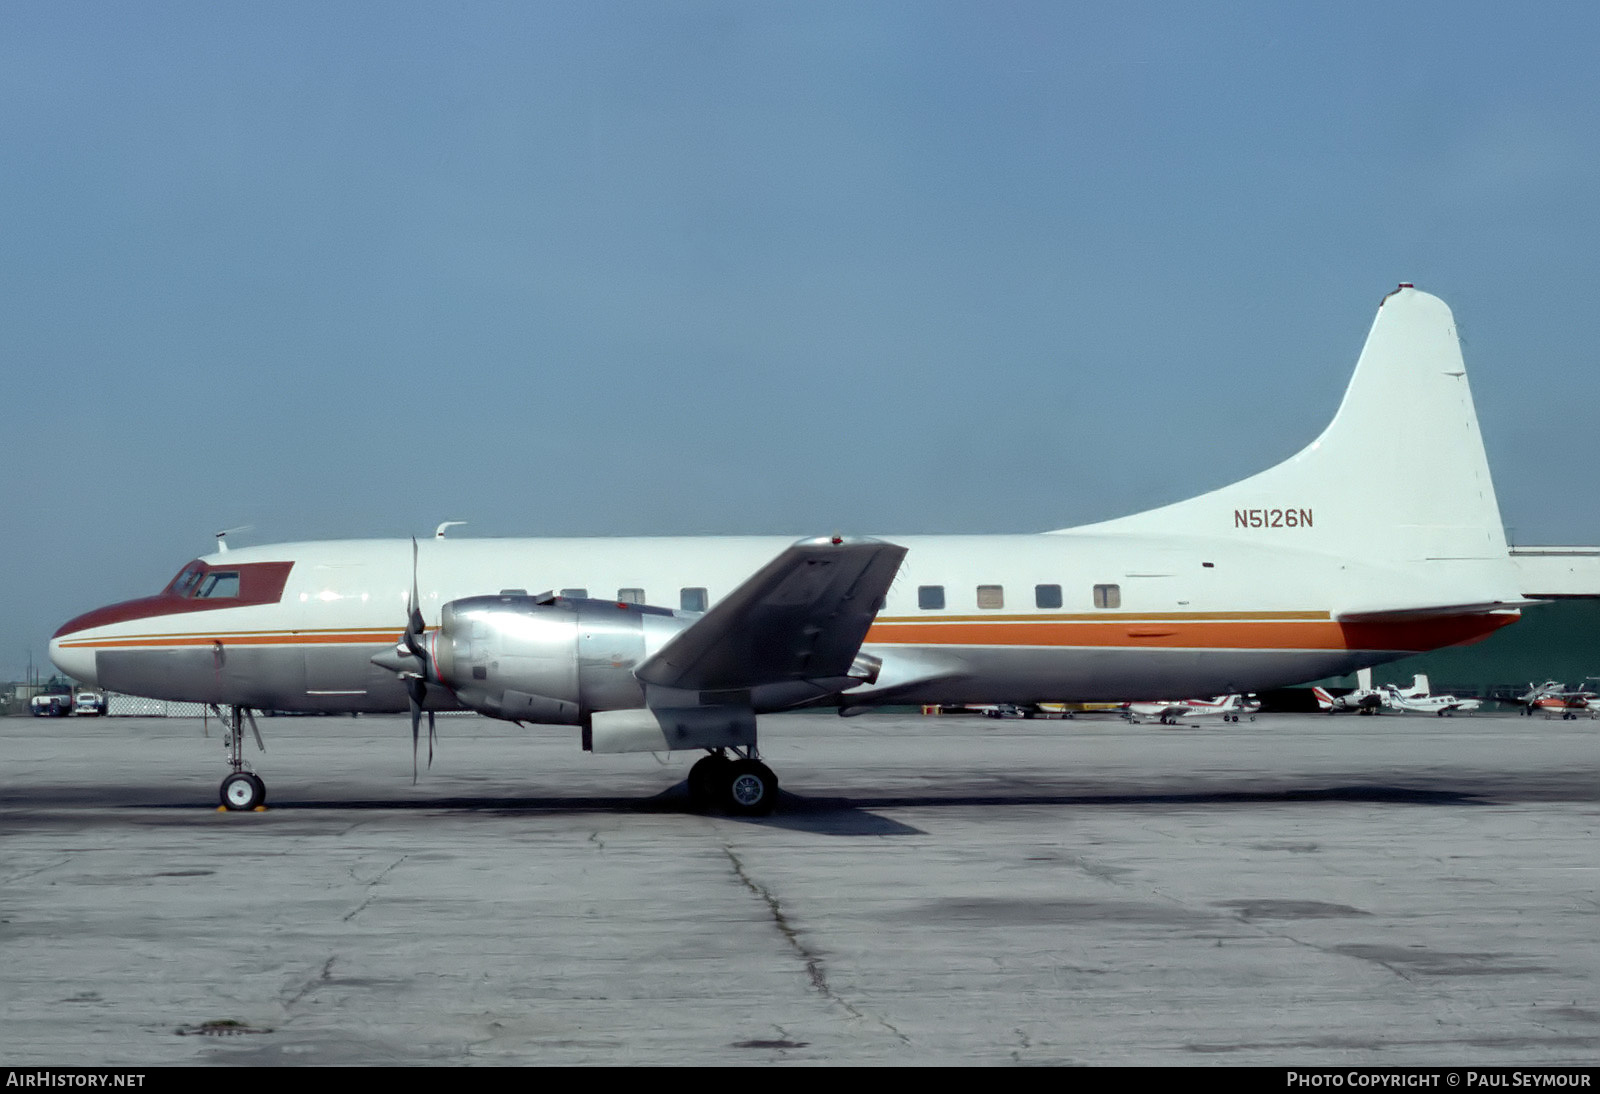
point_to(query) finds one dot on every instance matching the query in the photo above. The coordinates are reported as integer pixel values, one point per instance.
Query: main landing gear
(242, 790)
(741, 784)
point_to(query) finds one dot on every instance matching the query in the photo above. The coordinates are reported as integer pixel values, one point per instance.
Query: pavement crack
(372, 889)
(312, 984)
(816, 972)
(11, 879)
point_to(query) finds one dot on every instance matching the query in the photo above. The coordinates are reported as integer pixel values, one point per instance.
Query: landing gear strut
(741, 784)
(242, 790)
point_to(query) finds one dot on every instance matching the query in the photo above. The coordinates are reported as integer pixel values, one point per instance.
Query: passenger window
(1047, 596)
(1108, 596)
(930, 597)
(575, 594)
(630, 596)
(991, 596)
(692, 600)
(219, 585)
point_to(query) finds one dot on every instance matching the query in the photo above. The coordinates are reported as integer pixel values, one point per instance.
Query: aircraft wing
(803, 616)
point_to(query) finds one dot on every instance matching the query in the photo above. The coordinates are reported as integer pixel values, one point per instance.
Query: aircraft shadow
(856, 815)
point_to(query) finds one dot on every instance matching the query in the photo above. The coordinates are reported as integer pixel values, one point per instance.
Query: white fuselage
(1020, 618)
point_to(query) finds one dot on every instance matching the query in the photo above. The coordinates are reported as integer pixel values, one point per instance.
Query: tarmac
(1297, 890)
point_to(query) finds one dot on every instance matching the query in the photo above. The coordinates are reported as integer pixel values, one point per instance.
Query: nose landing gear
(242, 790)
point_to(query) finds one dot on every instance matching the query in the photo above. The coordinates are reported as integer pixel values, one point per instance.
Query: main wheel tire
(706, 778)
(749, 787)
(242, 791)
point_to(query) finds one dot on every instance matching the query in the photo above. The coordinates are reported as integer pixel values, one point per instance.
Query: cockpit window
(219, 584)
(200, 587)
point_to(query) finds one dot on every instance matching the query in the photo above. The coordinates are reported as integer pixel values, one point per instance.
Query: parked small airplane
(1552, 695)
(1040, 710)
(1286, 576)
(1419, 699)
(1364, 699)
(1172, 711)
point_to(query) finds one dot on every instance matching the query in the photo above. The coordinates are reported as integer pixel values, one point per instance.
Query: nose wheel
(243, 791)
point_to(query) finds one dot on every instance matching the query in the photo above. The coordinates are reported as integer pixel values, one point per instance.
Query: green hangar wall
(1558, 640)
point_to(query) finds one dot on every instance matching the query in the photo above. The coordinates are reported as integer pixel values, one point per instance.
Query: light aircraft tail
(1407, 418)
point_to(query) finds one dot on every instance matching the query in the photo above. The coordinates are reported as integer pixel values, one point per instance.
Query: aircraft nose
(76, 661)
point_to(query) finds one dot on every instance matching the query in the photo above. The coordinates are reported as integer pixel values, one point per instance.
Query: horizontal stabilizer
(803, 616)
(1433, 611)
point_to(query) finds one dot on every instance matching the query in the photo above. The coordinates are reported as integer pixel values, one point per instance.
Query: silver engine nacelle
(546, 658)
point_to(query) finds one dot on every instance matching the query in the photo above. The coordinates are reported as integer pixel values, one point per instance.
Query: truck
(89, 704)
(51, 703)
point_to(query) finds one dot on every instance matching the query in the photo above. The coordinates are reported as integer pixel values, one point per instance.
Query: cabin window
(513, 592)
(1047, 596)
(930, 597)
(1108, 596)
(630, 596)
(692, 600)
(575, 594)
(219, 585)
(991, 596)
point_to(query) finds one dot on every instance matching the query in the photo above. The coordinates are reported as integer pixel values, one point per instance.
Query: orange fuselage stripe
(1105, 617)
(1256, 634)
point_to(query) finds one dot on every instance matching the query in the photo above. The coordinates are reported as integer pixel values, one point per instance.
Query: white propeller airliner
(679, 643)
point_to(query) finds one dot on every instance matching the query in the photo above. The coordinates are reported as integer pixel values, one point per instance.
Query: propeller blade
(412, 645)
(418, 693)
(416, 718)
(415, 626)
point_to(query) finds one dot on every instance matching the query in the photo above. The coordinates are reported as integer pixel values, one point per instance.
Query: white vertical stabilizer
(1399, 476)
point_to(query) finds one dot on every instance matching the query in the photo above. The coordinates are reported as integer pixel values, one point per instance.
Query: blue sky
(626, 268)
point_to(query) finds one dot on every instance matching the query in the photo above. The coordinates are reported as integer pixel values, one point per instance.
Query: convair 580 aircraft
(678, 644)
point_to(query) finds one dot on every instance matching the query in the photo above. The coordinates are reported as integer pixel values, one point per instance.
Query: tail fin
(1408, 416)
